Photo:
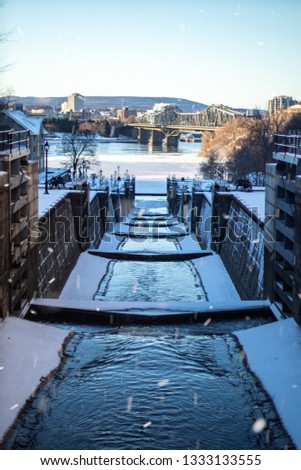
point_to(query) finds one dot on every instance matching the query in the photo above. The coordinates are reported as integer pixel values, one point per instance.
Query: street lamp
(46, 148)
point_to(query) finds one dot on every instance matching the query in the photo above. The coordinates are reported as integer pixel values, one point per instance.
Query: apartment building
(280, 102)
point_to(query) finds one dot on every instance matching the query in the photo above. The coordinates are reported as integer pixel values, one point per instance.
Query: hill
(135, 102)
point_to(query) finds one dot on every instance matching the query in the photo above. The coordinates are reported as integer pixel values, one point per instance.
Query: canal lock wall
(221, 222)
(238, 236)
(76, 222)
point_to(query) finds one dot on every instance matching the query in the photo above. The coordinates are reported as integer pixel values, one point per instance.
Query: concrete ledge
(151, 255)
(145, 312)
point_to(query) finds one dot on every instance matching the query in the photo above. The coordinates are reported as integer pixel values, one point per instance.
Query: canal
(170, 386)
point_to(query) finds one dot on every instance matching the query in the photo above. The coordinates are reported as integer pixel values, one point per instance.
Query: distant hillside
(136, 102)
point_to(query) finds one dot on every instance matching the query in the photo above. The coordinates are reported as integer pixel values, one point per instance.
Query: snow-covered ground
(273, 352)
(29, 352)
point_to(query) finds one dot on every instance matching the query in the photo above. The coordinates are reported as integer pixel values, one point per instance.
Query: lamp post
(46, 148)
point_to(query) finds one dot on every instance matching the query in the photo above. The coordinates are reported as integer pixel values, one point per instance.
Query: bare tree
(245, 145)
(76, 147)
(5, 95)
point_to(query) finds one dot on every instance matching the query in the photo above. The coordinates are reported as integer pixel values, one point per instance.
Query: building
(18, 212)
(123, 113)
(283, 235)
(280, 102)
(19, 122)
(75, 102)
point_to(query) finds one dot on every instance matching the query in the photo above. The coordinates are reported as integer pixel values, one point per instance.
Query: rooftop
(32, 124)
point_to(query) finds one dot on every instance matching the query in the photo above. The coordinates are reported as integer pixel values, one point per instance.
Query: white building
(75, 102)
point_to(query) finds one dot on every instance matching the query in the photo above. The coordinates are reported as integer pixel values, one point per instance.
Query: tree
(212, 168)
(246, 145)
(5, 96)
(76, 147)
(293, 123)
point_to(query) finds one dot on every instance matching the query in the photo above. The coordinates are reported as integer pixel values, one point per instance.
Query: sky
(236, 53)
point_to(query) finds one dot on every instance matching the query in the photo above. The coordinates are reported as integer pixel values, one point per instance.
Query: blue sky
(239, 53)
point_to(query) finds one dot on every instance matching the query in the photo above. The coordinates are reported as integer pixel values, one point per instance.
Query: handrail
(12, 141)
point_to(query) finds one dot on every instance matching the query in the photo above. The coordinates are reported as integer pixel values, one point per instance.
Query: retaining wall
(242, 252)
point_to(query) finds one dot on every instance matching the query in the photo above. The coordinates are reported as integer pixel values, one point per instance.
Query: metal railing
(13, 141)
(290, 143)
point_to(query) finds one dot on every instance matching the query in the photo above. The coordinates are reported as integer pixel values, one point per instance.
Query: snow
(273, 353)
(216, 280)
(89, 270)
(29, 123)
(152, 186)
(46, 201)
(28, 353)
(253, 200)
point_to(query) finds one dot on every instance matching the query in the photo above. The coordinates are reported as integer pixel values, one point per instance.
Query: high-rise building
(280, 102)
(75, 102)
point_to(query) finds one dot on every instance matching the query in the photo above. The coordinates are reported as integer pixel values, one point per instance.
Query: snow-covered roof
(32, 124)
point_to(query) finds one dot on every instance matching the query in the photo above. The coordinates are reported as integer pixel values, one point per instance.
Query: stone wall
(269, 248)
(201, 212)
(297, 249)
(98, 218)
(242, 252)
(4, 244)
(55, 247)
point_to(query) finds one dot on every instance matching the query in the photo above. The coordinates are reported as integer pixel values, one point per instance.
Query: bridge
(167, 124)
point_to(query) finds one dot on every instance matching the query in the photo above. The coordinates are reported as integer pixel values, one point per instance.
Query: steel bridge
(172, 119)
(166, 125)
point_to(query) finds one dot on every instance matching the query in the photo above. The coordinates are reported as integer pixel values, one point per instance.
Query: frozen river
(140, 160)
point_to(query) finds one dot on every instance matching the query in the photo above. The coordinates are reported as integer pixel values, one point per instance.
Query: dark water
(158, 387)
(176, 386)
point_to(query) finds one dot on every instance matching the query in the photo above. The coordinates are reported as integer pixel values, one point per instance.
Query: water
(151, 282)
(176, 386)
(139, 160)
(158, 387)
